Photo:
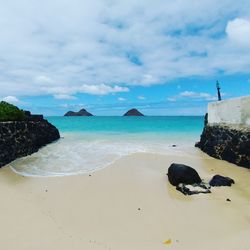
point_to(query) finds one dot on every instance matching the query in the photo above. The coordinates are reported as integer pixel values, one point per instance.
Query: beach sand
(127, 206)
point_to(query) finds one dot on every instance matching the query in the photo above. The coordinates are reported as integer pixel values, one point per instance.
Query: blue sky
(162, 57)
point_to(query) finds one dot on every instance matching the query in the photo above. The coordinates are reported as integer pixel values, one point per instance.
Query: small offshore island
(133, 112)
(82, 112)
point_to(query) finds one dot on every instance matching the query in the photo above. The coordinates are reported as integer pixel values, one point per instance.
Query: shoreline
(128, 205)
(33, 160)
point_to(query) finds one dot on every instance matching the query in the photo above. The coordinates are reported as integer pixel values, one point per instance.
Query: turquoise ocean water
(91, 143)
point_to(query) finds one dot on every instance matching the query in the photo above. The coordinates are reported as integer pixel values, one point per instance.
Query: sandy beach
(127, 206)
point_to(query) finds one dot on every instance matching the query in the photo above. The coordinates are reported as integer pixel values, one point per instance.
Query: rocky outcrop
(186, 180)
(133, 112)
(180, 173)
(31, 117)
(218, 181)
(226, 143)
(82, 112)
(22, 138)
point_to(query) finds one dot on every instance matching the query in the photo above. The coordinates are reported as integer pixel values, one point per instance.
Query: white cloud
(101, 89)
(42, 79)
(140, 97)
(98, 47)
(196, 95)
(68, 92)
(73, 105)
(65, 97)
(121, 99)
(188, 94)
(65, 105)
(11, 99)
(238, 31)
(171, 99)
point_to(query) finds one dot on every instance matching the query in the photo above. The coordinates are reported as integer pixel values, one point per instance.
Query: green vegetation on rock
(9, 112)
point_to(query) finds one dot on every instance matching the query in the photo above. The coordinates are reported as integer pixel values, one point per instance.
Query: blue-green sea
(130, 124)
(88, 144)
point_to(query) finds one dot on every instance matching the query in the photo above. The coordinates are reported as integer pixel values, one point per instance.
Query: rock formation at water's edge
(226, 143)
(24, 137)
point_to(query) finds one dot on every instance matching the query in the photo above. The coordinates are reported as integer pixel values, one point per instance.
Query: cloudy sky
(161, 56)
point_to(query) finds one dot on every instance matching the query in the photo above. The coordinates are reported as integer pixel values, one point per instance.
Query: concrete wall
(230, 112)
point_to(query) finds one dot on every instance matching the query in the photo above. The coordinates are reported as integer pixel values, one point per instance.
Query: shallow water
(92, 143)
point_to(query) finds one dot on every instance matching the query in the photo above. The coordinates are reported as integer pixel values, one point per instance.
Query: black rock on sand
(186, 180)
(180, 173)
(218, 181)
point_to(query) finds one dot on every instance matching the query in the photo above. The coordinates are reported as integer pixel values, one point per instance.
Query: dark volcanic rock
(226, 143)
(133, 112)
(22, 138)
(31, 117)
(219, 180)
(180, 173)
(82, 112)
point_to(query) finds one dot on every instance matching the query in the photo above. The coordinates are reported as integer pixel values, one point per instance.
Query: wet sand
(127, 206)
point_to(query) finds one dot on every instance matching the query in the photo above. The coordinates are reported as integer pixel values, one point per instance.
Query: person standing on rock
(218, 90)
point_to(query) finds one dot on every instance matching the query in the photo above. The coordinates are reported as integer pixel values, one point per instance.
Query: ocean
(88, 144)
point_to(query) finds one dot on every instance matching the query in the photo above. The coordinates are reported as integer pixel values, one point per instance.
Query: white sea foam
(78, 153)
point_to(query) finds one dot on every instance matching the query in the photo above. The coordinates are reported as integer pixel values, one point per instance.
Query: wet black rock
(226, 143)
(180, 173)
(133, 112)
(22, 138)
(218, 181)
(82, 112)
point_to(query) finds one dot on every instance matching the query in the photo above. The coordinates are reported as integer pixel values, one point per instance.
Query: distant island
(133, 112)
(82, 112)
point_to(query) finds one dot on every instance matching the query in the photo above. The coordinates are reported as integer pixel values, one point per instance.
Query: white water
(78, 153)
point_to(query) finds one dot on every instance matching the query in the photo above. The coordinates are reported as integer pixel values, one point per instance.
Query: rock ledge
(22, 138)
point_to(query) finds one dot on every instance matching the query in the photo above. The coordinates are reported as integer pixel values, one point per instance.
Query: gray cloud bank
(66, 47)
